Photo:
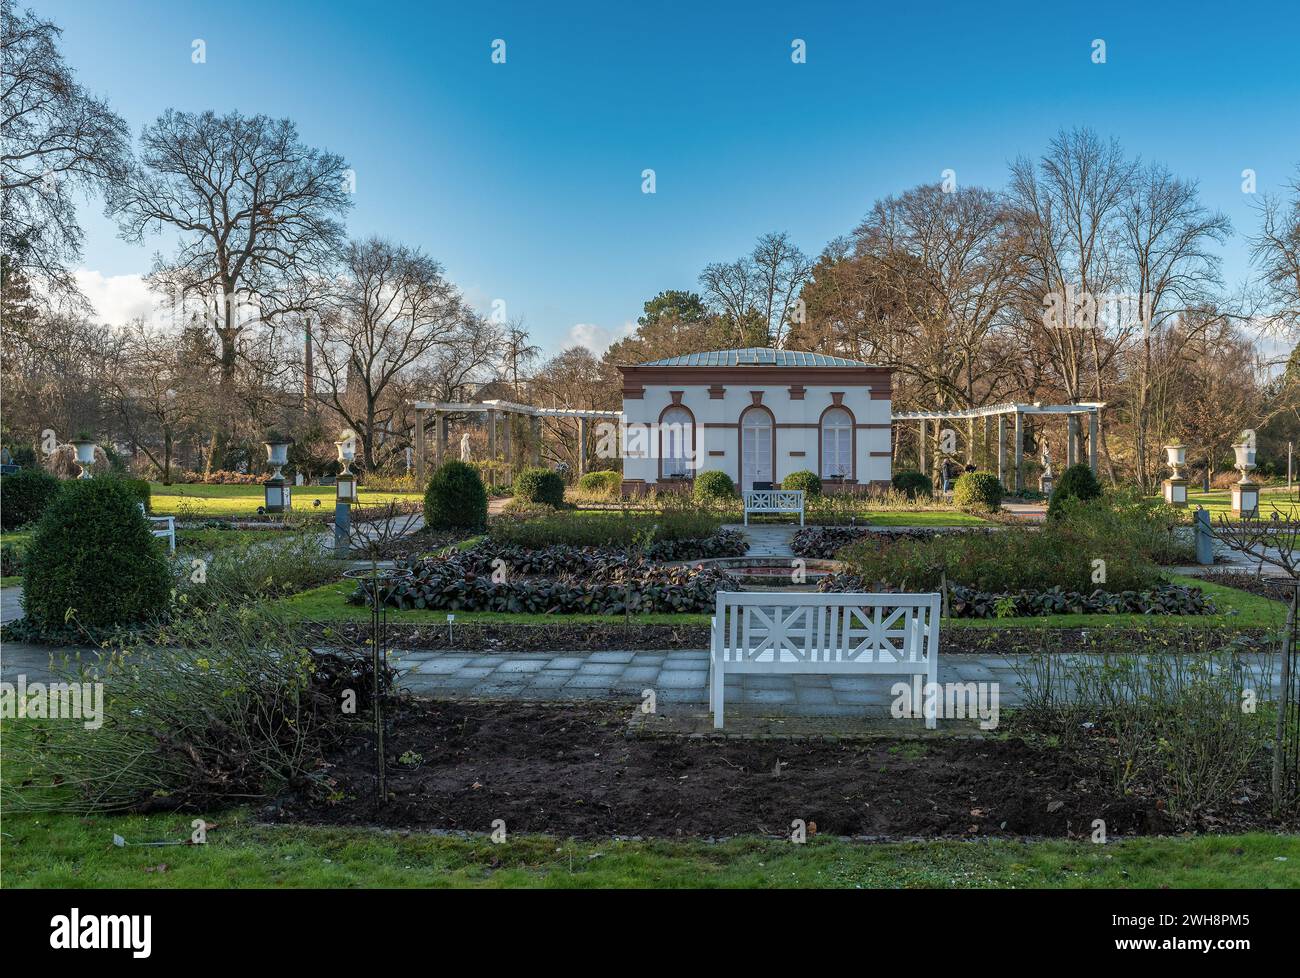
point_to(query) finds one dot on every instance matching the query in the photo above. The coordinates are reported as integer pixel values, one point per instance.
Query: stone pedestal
(1245, 500)
(1175, 491)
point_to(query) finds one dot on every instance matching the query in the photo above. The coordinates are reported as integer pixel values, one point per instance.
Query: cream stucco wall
(796, 427)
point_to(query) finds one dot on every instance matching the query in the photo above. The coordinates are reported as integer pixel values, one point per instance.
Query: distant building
(757, 415)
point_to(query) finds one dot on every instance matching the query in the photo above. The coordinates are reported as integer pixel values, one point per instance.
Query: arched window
(676, 442)
(756, 448)
(837, 444)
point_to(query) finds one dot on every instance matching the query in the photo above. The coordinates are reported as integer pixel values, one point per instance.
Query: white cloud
(117, 299)
(597, 339)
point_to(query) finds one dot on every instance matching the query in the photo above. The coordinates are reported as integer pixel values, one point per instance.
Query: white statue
(1047, 461)
(464, 447)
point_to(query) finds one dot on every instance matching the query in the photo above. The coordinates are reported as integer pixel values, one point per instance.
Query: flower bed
(824, 542)
(970, 602)
(595, 583)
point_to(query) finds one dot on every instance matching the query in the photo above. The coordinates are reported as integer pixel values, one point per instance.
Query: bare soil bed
(572, 770)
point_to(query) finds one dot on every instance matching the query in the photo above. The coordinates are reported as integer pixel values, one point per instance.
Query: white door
(756, 449)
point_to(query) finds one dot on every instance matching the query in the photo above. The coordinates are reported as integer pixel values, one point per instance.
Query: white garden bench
(162, 526)
(815, 633)
(773, 501)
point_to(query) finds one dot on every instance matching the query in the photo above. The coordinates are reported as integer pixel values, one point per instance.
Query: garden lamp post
(85, 455)
(1175, 487)
(345, 491)
(278, 492)
(1245, 494)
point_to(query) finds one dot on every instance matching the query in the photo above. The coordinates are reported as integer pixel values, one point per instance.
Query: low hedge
(1077, 482)
(455, 498)
(604, 529)
(979, 491)
(824, 542)
(969, 602)
(563, 558)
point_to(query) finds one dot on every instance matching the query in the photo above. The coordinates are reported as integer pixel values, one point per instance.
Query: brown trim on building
(716, 392)
(677, 398)
(798, 454)
(853, 441)
(881, 395)
(874, 427)
(881, 454)
(756, 397)
(713, 453)
(673, 406)
(837, 398)
(797, 392)
(632, 487)
(633, 393)
(740, 443)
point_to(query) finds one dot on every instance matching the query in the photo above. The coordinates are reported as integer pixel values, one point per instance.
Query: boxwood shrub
(1077, 482)
(712, 485)
(455, 498)
(978, 490)
(93, 552)
(24, 496)
(540, 486)
(805, 480)
(606, 483)
(913, 483)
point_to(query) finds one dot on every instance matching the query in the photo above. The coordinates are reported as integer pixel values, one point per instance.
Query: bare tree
(760, 288)
(1276, 251)
(392, 312)
(1165, 235)
(256, 211)
(58, 139)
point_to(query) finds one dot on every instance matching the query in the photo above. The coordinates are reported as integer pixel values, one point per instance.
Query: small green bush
(713, 485)
(24, 496)
(805, 480)
(1077, 482)
(913, 483)
(93, 552)
(455, 499)
(139, 488)
(607, 483)
(540, 486)
(603, 529)
(978, 490)
(282, 564)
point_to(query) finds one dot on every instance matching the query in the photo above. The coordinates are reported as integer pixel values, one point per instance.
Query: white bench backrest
(763, 626)
(774, 499)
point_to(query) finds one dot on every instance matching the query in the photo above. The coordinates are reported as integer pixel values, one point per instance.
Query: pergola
(1074, 443)
(495, 410)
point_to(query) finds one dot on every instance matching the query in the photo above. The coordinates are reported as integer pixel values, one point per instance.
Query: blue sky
(524, 179)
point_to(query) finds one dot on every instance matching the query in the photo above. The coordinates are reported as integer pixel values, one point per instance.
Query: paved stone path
(767, 539)
(679, 679)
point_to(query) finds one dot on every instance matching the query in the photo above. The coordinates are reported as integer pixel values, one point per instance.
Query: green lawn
(72, 851)
(1271, 501)
(199, 500)
(1238, 609)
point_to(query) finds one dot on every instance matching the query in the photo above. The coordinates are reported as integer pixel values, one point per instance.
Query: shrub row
(605, 529)
(969, 602)
(566, 559)
(824, 542)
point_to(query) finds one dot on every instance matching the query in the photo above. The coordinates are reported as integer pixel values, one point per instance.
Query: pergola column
(1071, 439)
(439, 438)
(419, 445)
(492, 434)
(970, 441)
(1092, 441)
(536, 424)
(1002, 449)
(1019, 465)
(921, 437)
(582, 447)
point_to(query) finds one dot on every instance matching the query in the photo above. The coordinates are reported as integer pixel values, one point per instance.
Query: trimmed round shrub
(540, 486)
(24, 497)
(1077, 482)
(606, 483)
(913, 483)
(805, 480)
(93, 552)
(455, 498)
(713, 485)
(978, 490)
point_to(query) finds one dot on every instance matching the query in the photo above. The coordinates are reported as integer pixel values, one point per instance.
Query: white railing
(773, 501)
(801, 632)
